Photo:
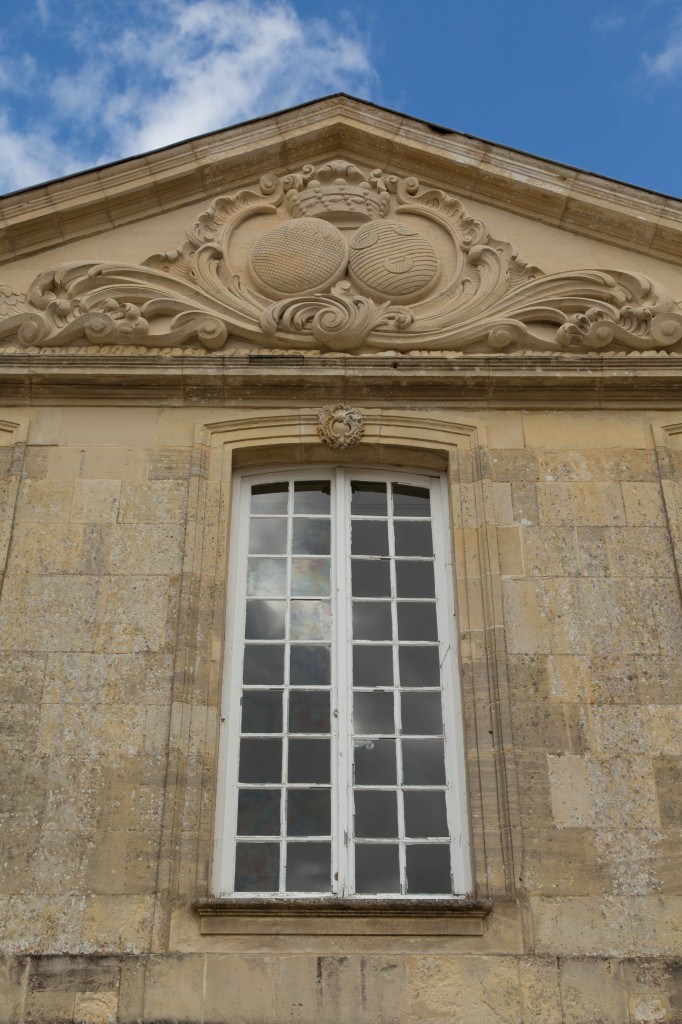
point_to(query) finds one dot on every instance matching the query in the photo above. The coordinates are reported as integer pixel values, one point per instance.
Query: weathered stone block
(244, 984)
(563, 861)
(95, 501)
(12, 987)
(174, 987)
(667, 776)
(44, 501)
(572, 799)
(592, 990)
(469, 989)
(62, 612)
(550, 551)
(118, 923)
(159, 501)
(341, 989)
(144, 549)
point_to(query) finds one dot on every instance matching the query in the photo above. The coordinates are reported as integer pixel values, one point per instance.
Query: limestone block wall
(566, 535)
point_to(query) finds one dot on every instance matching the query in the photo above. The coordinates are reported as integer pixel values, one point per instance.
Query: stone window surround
(340, 482)
(393, 439)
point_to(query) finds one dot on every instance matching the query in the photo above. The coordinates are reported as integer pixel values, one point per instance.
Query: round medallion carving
(392, 260)
(299, 257)
(340, 427)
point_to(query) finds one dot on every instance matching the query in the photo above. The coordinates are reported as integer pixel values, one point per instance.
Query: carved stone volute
(337, 259)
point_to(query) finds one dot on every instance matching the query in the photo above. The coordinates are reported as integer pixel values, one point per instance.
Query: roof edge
(88, 202)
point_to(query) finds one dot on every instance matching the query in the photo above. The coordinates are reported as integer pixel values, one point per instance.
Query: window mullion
(343, 760)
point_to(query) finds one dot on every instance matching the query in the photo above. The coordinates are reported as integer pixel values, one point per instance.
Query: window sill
(251, 916)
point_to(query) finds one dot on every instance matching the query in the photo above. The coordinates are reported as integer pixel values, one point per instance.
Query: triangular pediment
(338, 227)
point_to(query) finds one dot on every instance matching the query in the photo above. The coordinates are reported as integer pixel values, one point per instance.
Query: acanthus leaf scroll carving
(335, 259)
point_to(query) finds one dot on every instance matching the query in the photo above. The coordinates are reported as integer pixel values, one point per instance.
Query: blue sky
(595, 84)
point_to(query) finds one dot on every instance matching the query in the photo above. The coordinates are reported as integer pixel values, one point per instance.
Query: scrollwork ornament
(340, 427)
(303, 285)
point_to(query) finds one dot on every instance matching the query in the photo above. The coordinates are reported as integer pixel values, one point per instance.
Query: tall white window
(342, 769)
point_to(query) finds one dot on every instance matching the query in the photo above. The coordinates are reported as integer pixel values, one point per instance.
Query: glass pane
(312, 497)
(376, 814)
(263, 664)
(419, 666)
(309, 812)
(311, 537)
(258, 812)
(265, 620)
(372, 620)
(367, 499)
(268, 537)
(309, 761)
(371, 578)
(373, 713)
(310, 620)
(417, 620)
(260, 761)
(368, 538)
(425, 814)
(421, 714)
(411, 501)
(257, 867)
(413, 539)
(414, 579)
(309, 711)
(310, 577)
(267, 577)
(375, 763)
(309, 666)
(270, 499)
(372, 666)
(423, 763)
(428, 869)
(377, 868)
(308, 867)
(262, 711)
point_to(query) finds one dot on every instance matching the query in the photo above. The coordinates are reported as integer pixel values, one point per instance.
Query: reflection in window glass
(258, 812)
(372, 666)
(263, 664)
(270, 499)
(340, 750)
(411, 501)
(312, 497)
(257, 867)
(377, 868)
(308, 867)
(367, 498)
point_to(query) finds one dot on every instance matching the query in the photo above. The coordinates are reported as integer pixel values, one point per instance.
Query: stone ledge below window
(228, 916)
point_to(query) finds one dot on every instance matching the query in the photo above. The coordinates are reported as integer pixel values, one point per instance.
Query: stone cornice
(499, 381)
(89, 203)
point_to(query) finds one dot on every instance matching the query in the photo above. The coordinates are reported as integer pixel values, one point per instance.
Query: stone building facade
(262, 300)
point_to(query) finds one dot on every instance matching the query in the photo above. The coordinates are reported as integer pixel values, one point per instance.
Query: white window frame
(342, 754)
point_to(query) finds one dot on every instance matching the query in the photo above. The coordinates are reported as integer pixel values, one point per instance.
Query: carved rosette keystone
(340, 427)
(335, 259)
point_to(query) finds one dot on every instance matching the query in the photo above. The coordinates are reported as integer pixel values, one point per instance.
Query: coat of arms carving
(334, 259)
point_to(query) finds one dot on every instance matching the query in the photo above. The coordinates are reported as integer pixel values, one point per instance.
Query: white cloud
(668, 62)
(217, 63)
(28, 157)
(43, 11)
(188, 67)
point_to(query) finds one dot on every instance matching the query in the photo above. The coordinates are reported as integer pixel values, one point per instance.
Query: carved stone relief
(334, 259)
(340, 427)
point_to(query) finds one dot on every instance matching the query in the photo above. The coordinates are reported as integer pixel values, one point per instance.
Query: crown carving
(335, 259)
(337, 192)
